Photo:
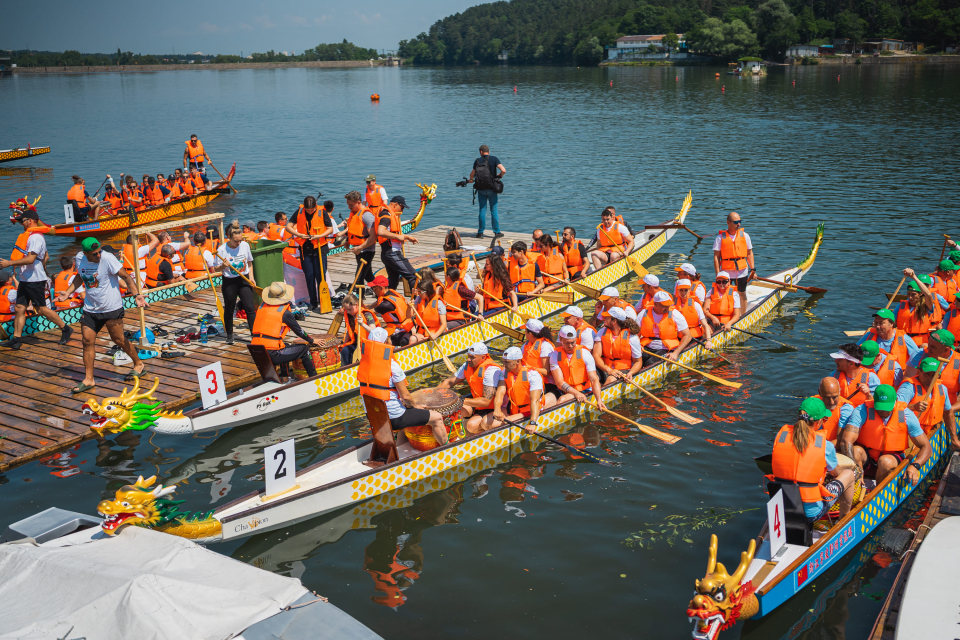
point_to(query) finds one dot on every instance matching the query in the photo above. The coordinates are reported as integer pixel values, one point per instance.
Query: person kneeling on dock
(483, 376)
(574, 369)
(803, 456)
(521, 391)
(274, 319)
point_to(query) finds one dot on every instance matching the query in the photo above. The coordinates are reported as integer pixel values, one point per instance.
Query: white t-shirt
(12, 297)
(636, 350)
(736, 298)
(491, 377)
(394, 408)
(746, 270)
(332, 236)
(588, 362)
(468, 281)
(236, 258)
(587, 337)
(102, 283)
(35, 272)
(675, 315)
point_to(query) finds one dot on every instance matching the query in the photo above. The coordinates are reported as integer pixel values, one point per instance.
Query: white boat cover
(141, 584)
(295, 278)
(929, 608)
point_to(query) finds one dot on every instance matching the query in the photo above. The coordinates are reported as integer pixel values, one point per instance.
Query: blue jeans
(491, 195)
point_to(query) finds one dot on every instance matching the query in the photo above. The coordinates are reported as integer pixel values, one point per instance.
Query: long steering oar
(522, 315)
(676, 413)
(338, 318)
(516, 334)
(946, 238)
(222, 178)
(650, 431)
(569, 447)
(726, 383)
(582, 289)
(636, 266)
(433, 341)
(757, 335)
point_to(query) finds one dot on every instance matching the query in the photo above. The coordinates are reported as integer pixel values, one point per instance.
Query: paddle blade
(323, 291)
(356, 355)
(896, 297)
(407, 291)
(335, 324)
(680, 415)
(507, 331)
(637, 267)
(854, 334)
(559, 297)
(584, 290)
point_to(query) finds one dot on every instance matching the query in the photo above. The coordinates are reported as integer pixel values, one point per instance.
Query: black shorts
(870, 466)
(742, 283)
(482, 412)
(96, 321)
(35, 292)
(411, 418)
(552, 388)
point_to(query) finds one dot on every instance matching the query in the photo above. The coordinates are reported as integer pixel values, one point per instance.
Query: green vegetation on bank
(576, 31)
(336, 51)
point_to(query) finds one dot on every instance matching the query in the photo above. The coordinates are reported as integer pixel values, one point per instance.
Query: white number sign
(68, 213)
(778, 530)
(280, 470)
(212, 388)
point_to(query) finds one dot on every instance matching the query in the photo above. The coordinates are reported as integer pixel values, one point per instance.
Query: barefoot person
(100, 275)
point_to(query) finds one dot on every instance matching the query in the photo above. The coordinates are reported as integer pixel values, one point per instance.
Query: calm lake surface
(533, 546)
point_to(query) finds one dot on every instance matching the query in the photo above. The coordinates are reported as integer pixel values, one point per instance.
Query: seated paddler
(932, 405)
(274, 319)
(839, 407)
(940, 345)
(483, 376)
(878, 434)
(803, 456)
(574, 369)
(854, 373)
(520, 394)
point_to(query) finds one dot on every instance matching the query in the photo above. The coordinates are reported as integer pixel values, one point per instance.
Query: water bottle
(203, 331)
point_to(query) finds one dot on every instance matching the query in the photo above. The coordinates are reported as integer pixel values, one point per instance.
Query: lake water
(534, 545)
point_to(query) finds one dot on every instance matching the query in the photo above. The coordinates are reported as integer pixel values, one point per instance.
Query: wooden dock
(39, 415)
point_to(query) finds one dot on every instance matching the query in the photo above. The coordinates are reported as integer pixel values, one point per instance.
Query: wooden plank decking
(39, 415)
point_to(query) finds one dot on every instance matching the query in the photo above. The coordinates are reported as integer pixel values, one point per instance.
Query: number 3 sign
(212, 388)
(279, 468)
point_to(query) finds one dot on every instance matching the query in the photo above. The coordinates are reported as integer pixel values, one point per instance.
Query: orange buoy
(678, 78)
(717, 76)
(375, 97)
(514, 88)
(723, 88)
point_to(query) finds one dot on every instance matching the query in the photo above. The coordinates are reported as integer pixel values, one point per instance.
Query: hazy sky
(100, 26)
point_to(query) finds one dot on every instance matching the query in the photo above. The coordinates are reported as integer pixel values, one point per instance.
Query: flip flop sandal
(80, 388)
(133, 375)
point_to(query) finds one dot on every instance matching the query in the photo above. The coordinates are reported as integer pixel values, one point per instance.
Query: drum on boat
(325, 354)
(447, 403)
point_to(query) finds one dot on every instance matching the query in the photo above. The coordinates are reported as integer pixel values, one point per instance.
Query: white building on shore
(629, 47)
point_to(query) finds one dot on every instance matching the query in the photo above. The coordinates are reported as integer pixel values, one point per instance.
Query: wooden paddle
(582, 289)
(572, 449)
(855, 334)
(727, 383)
(433, 341)
(522, 315)
(636, 266)
(338, 319)
(502, 328)
(942, 251)
(560, 297)
(222, 178)
(893, 297)
(650, 431)
(794, 286)
(258, 290)
(768, 285)
(676, 413)
(356, 351)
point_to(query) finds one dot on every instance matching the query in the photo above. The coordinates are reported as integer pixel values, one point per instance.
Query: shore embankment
(324, 64)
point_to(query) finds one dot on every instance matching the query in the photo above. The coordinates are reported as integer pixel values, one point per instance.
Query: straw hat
(277, 293)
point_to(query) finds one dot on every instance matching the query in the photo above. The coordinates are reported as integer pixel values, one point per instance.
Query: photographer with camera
(488, 183)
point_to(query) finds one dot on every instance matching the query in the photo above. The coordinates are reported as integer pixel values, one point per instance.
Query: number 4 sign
(279, 467)
(212, 389)
(778, 533)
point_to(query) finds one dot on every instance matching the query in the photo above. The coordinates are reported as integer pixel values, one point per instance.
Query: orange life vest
(881, 438)
(60, 284)
(374, 202)
(721, 304)
(186, 186)
(251, 237)
(194, 264)
(452, 299)
(518, 390)
(898, 347)
(394, 319)
(274, 230)
(950, 375)
(153, 196)
(888, 371)
(931, 418)
(849, 385)
(951, 321)
(573, 368)
(76, 194)
(269, 328)
(317, 226)
(552, 263)
(689, 312)
(195, 153)
(531, 353)
(946, 287)
(807, 469)
(116, 202)
(20, 246)
(616, 351)
(831, 425)
(524, 278)
(197, 181)
(355, 227)
(352, 325)
(6, 307)
(373, 372)
(128, 259)
(134, 196)
(571, 253)
(609, 238)
(394, 226)
(695, 286)
(915, 326)
(492, 285)
(175, 190)
(733, 251)
(430, 312)
(646, 302)
(474, 377)
(153, 269)
(666, 330)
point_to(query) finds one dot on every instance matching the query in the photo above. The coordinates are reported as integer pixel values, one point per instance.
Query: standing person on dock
(375, 197)
(733, 253)
(484, 178)
(235, 257)
(196, 256)
(391, 245)
(310, 227)
(194, 155)
(274, 320)
(100, 274)
(361, 236)
(33, 282)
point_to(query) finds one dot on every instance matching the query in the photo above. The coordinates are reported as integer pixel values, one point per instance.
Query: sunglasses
(722, 281)
(736, 222)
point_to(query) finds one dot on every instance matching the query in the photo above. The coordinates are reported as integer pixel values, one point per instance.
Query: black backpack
(483, 176)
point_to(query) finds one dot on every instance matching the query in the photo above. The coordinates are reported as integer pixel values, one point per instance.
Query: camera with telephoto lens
(463, 182)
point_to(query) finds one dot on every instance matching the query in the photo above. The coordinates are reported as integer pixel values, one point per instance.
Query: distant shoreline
(850, 60)
(322, 64)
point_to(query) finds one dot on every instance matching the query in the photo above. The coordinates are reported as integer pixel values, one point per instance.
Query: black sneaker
(313, 307)
(480, 235)
(229, 339)
(343, 286)
(65, 334)
(498, 235)
(12, 343)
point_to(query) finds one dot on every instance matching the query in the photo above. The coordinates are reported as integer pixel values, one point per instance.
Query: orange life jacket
(352, 325)
(689, 312)
(531, 353)
(153, 269)
(76, 194)
(646, 302)
(116, 202)
(60, 284)
(273, 231)
(175, 190)
(153, 196)
(251, 237)
(317, 226)
(666, 330)
(915, 326)
(881, 438)
(355, 227)
(374, 202)
(946, 287)
(695, 286)
(721, 304)
(831, 426)
(492, 285)
(609, 238)
(128, 259)
(394, 226)
(134, 196)
(888, 371)
(430, 312)
(186, 186)
(552, 263)
(6, 307)
(373, 372)
(193, 263)
(849, 385)
(931, 418)
(571, 253)
(452, 299)
(573, 368)
(733, 251)
(807, 469)
(898, 347)
(195, 153)
(394, 319)
(269, 328)
(616, 351)
(951, 321)
(518, 390)
(20, 246)
(474, 377)
(197, 181)
(524, 278)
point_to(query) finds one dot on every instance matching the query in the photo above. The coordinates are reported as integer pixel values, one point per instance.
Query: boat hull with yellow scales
(9, 155)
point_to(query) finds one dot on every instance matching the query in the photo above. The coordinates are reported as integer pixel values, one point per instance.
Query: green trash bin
(268, 262)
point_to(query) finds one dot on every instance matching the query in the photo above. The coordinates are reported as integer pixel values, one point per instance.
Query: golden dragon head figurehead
(124, 413)
(427, 193)
(720, 598)
(137, 504)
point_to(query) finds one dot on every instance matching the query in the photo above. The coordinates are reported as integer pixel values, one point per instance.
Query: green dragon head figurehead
(125, 412)
(140, 505)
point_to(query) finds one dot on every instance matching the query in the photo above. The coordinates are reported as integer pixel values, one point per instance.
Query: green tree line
(576, 31)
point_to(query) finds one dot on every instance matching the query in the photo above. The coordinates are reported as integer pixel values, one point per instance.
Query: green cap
(884, 398)
(886, 314)
(814, 409)
(944, 337)
(929, 364)
(89, 244)
(913, 286)
(870, 352)
(947, 265)
(954, 255)
(371, 178)
(924, 278)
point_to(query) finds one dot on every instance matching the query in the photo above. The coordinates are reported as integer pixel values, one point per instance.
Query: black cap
(107, 248)
(497, 251)
(29, 215)
(152, 181)
(400, 200)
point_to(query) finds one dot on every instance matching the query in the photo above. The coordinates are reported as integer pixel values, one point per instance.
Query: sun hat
(277, 293)
(686, 267)
(870, 352)
(944, 337)
(618, 314)
(534, 325)
(89, 244)
(683, 283)
(379, 334)
(929, 364)
(566, 331)
(843, 355)
(371, 178)
(609, 292)
(884, 398)
(478, 349)
(651, 280)
(662, 297)
(813, 409)
(954, 256)
(513, 353)
(576, 312)
(886, 314)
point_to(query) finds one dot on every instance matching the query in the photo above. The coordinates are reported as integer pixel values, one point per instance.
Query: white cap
(651, 280)
(663, 297)
(513, 353)
(843, 355)
(723, 274)
(534, 325)
(378, 335)
(688, 268)
(610, 292)
(683, 282)
(631, 313)
(576, 312)
(618, 314)
(566, 331)
(477, 349)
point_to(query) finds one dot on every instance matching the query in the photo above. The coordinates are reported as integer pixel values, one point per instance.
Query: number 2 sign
(778, 533)
(212, 388)
(279, 467)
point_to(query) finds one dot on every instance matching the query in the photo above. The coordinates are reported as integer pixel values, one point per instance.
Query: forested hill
(576, 31)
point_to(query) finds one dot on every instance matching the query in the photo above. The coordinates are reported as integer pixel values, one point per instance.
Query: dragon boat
(124, 221)
(355, 475)
(8, 155)
(270, 398)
